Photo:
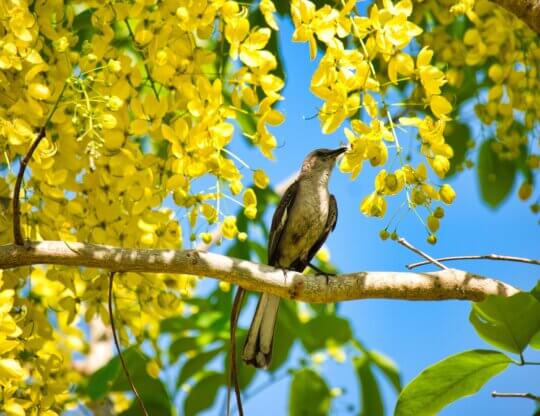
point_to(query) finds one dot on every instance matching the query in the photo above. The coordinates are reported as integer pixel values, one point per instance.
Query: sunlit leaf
(202, 395)
(507, 322)
(388, 367)
(454, 377)
(323, 329)
(371, 399)
(309, 394)
(496, 176)
(196, 364)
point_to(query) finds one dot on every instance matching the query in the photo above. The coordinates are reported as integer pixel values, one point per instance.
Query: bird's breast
(306, 222)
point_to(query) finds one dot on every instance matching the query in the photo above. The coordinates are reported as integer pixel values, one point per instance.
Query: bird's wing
(328, 228)
(279, 221)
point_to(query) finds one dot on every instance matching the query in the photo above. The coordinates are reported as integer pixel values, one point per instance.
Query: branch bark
(443, 284)
(526, 10)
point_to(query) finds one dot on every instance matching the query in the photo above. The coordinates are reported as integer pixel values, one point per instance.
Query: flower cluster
(493, 54)
(138, 106)
(351, 88)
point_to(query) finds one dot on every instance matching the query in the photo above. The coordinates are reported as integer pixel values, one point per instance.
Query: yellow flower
(236, 29)
(228, 228)
(10, 370)
(260, 179)
(250, 203)
(447, 194)
(206, 238)
(267, 9)
(433, 223)
(389, 183)
(152, 369)
(440, 106)
(39, 91)
(373, 205)
(440, 165)
(209, 212)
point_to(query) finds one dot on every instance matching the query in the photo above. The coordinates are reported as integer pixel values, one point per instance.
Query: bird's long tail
(258, 345)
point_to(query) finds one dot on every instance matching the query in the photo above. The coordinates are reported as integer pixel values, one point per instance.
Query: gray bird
(305, 216)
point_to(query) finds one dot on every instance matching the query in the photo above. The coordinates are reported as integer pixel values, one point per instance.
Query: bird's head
(321, 161)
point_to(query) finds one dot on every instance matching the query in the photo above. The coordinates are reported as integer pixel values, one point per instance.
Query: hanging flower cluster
(351, 87)
(489, 52)
(138, 103)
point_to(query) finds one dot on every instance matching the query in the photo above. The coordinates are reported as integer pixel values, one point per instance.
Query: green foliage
(454, 377)
(388, 367)
(203, 393)
(496, 176)
(196, 364)
(324, 330)
(111, 378)
(309, 395)
(508, 323)
(458, 138)
(371, 399)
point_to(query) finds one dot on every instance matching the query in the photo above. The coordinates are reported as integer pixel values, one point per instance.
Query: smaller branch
(233, 370)
(430, 259)
(483, 257)
(17, 234)
(117, 345)
(517, 395)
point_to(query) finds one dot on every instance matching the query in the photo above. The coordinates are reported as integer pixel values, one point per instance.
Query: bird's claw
(325, 274)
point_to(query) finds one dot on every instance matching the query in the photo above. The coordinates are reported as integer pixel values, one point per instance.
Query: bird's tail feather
(258, 345)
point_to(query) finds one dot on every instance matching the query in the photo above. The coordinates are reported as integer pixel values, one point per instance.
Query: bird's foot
(325, 274)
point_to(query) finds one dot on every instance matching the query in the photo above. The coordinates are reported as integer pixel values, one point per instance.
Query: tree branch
(444, 284)
(517, 395)
(484, 257)
(526, 10)
(17, 234)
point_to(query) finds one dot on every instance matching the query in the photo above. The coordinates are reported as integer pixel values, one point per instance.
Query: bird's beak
(339, 151)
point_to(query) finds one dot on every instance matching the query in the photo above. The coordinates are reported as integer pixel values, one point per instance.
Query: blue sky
(414, 334)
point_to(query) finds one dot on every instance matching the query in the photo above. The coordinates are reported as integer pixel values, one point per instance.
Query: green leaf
(535, 341)
(454, 377)
(458, 137)
(507, 322)
(85, 30)
(536, 291)
(309, 395)
(99, 383)
(372, 404)
(202, 395)
(496, 176)
(285, 337)
(196, 364)
(323, 329)
(111, 378)
(182, 345)
(388, 367)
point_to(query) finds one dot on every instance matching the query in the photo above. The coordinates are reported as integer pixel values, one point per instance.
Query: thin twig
(430, 259)
(17, 235)
(152, 84)
(117, 345)
(517, 395)
(483, 257)
(233, 371)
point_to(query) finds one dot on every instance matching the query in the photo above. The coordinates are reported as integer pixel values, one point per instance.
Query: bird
(303, 219)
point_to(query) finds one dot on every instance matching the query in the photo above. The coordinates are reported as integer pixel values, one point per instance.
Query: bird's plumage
(279, 221)
(304, 217)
